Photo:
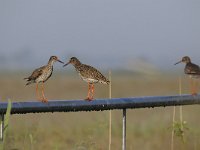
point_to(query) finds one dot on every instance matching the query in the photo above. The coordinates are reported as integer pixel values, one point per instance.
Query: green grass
(6, 122)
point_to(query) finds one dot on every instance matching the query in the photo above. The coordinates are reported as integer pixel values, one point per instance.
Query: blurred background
(139, 41)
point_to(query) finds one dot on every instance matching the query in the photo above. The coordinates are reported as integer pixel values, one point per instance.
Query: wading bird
(41, 75)
(193, 71)
(88, 74)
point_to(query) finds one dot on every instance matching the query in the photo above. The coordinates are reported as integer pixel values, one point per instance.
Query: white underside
(194, 76)
(90, 80)
(43, 77)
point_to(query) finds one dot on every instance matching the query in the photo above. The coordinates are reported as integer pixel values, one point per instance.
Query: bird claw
(43, 100)
(89, 99)
(194, 94)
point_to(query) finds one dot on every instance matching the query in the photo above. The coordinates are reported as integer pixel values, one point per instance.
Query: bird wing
(36, 73)
(91, 72)
(192, 69)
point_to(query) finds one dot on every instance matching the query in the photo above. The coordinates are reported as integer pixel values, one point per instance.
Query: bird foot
(89, 99)
(43, 100)
(194, 94)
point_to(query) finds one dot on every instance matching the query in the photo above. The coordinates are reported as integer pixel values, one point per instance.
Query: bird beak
(178, 62)
(60, 61)
(66, 64)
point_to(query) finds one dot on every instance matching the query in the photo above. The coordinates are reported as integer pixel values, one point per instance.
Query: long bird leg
(195, 87)
(92, 91)
(44, 99)
(192, 86)
(37, 93)
(88, 95)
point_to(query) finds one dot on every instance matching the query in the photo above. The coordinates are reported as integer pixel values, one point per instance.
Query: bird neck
(77, 64)
(51, 62)
(188, 63)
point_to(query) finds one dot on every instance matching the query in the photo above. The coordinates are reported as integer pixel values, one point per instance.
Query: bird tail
(105, 82)
(27, 78)
(29, 81)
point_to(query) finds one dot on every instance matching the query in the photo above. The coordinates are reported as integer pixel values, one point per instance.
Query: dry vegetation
(147, 129)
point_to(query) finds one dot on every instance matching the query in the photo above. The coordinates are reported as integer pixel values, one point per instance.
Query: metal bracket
(1, 127)
(124, 130)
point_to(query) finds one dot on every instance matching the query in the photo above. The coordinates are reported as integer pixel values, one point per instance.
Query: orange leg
(44, 99)
(37, 93)
(195, 88)
(92, 91)
(191, 86)
(88, 95)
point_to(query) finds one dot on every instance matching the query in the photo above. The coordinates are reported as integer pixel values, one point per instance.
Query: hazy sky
(105, 33)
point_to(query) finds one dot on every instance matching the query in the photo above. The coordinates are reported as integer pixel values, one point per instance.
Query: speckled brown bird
(41, 75)
(89, 74)
(193, 71)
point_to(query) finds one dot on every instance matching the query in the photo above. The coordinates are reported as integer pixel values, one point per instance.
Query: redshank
(193, 71)
(41, 75)
(89, 74)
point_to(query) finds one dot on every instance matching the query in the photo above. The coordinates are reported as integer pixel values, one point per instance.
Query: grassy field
(147, 129)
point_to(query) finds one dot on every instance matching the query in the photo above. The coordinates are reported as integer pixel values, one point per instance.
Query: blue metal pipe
(99, 104)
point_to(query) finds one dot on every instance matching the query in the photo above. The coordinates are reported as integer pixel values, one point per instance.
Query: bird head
(54, 59)
(185, 59)
(74, 61)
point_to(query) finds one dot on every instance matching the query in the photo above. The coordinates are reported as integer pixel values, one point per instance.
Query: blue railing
(98, 105)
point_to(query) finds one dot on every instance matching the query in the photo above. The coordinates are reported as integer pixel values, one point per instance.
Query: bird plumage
(89, 74)
(42, 74)
(192, 69)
